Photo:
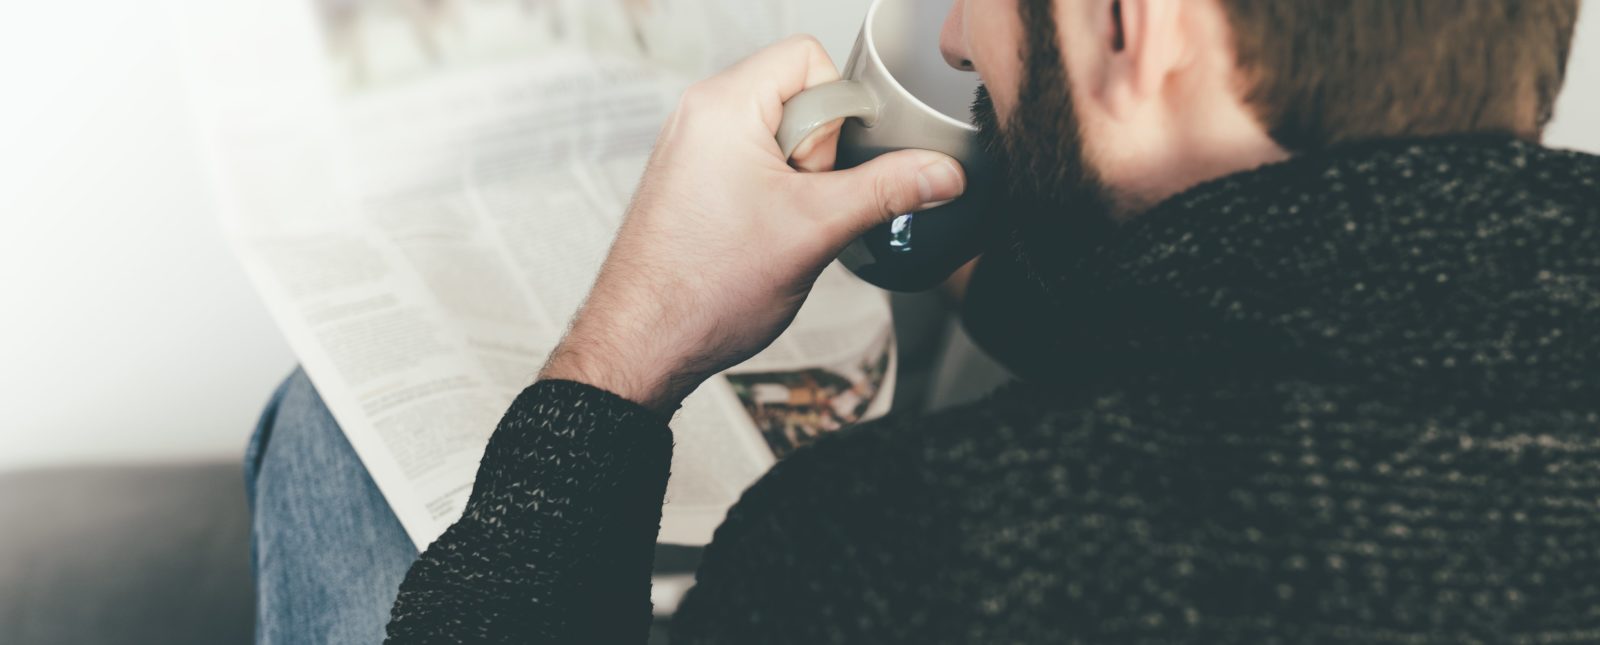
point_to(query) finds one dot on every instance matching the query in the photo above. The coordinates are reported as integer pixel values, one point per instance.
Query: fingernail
(939, 183)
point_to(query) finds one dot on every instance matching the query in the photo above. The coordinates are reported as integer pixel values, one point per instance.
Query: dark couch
(136, 555)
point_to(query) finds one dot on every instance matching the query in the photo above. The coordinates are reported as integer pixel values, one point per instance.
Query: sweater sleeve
(557, 539)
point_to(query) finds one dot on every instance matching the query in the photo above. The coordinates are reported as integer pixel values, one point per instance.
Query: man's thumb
(893, 184)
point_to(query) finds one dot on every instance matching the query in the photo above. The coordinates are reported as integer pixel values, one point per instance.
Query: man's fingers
(818, 152)
(772, 76)
(786, 68)
(902, 182)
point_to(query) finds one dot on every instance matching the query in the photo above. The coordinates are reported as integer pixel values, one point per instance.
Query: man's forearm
(557, 539)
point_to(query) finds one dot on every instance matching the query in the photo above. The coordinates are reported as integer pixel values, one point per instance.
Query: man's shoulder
(1016, 412)
(902, 517)
(862, 521)
(918, 463)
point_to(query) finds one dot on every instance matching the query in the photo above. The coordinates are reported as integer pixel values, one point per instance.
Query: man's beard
(1057, 210)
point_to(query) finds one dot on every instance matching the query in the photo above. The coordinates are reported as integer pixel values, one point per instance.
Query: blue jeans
(327, 552)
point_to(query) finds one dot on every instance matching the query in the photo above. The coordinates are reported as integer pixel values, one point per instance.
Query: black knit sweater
(1354, 397)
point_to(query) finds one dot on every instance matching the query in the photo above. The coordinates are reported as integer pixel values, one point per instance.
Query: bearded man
(1308, 324)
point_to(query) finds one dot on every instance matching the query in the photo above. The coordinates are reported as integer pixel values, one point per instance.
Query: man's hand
(724, 239)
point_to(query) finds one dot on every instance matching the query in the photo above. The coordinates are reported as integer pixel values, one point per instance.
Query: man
(1308, 321)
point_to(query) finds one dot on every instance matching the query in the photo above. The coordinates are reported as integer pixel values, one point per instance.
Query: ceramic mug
(915, 251)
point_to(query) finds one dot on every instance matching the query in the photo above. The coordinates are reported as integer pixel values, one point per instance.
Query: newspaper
(423, 191)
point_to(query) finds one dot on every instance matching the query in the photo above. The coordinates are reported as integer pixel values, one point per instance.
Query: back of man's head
(1331, 71)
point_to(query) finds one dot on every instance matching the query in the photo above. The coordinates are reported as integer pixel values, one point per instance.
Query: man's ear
(1142, 44)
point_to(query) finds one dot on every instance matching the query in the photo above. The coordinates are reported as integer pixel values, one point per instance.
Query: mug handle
(821, 105)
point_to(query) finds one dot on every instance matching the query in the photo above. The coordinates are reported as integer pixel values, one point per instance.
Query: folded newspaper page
(424, 190)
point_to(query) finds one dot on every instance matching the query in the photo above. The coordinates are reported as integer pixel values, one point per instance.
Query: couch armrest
(125, 555)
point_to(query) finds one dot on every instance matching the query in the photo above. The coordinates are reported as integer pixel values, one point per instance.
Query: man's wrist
(641, 381)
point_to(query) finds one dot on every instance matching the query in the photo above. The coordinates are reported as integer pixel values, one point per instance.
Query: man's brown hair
(1324, 72)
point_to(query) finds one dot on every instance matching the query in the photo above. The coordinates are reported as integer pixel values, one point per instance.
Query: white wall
(126, 329)
(1577, 123)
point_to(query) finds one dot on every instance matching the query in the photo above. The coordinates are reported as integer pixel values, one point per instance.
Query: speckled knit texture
(556, 543)
(1350, 398)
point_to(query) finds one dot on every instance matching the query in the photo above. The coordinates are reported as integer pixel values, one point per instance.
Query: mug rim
(869, 38)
